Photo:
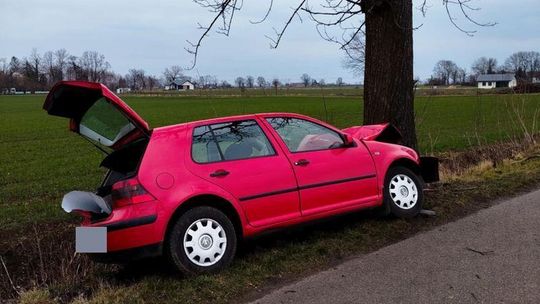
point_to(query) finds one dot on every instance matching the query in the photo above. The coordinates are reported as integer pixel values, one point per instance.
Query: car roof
(229, 118)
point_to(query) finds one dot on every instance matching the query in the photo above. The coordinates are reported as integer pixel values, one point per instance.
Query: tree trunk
(388, 80)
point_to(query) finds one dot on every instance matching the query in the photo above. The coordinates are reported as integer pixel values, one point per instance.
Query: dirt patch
(456, 163)
(40, 255)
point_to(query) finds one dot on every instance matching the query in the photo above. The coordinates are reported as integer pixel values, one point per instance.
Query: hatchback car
(192, 191)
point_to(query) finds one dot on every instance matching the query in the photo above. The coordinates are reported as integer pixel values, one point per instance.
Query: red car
(191, 191)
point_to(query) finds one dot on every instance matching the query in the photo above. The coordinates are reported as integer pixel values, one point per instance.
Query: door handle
(219, 173)
(301, 162)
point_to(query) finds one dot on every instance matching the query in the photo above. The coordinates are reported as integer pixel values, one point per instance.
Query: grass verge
(44, 265)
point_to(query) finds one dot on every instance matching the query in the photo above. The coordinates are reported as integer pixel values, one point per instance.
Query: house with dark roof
(491, 81)
(180, 85)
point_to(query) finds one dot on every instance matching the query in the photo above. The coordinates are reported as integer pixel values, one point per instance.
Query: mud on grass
(46, 267)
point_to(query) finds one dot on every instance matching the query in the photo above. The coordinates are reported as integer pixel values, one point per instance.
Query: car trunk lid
(96, 113)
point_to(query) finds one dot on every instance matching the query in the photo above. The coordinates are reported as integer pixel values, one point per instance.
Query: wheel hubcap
(205, 242)
(403, 191)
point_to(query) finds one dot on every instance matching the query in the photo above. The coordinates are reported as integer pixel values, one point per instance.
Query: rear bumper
(120, 225)
(128, 255)
(429, 169)
(133, 226)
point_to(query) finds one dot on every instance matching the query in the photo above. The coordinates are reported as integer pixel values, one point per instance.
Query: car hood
(382, 132)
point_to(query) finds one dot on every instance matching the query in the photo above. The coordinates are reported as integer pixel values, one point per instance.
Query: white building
(123, 90)
(491, 81)
(180, 86)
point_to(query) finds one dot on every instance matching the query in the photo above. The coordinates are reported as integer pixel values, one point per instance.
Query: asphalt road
(492, 256)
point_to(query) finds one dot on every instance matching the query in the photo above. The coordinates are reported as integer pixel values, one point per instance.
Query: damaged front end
(387, 133)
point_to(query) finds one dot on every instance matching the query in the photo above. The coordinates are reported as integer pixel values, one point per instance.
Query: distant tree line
(39, 72)
(525, 66)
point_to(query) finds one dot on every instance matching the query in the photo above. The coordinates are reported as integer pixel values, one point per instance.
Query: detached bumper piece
(82, 201)
(429, 168)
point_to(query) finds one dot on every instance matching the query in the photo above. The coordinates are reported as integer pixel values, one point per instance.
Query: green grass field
(42, 160)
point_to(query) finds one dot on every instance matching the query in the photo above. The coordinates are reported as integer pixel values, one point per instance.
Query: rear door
(96, 113)
(330, 175)
(239, 157)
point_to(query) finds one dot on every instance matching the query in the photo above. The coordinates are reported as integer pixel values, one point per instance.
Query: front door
(329, 174)
(240, 158)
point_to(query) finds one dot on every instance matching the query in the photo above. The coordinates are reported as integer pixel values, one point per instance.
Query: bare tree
(53, 66)
(112, 80)
(173, 73)
(208, 81)
(461, 75)
(339, 82)
(94, 65)
(355, 55)
(306, 79)
(484, 65)
(61, 60)
(74, 70)
(240, 82)
(261, 82)
(34, 66)
(250, 81)
(276, 83)
(137, 79)
(388, 28)
(4, 74)
(49, 67)
(15, 65)
(151, 82)
(524, 64)
(225, 84)
(445, 70)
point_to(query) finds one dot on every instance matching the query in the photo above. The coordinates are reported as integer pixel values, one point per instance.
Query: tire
(403, 192)
(202, 240)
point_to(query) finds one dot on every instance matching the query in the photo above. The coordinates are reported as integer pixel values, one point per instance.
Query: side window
(301, 135)
(229, 141)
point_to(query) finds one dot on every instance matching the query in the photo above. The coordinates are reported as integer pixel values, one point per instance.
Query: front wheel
(202, 240)
(403, 192)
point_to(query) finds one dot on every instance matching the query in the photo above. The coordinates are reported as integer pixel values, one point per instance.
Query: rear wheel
(202, 240)
(403, 192)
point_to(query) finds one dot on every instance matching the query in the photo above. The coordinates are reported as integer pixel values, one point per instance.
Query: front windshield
(104, 123)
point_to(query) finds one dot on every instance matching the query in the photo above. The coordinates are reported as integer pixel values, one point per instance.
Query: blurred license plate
(91, 239)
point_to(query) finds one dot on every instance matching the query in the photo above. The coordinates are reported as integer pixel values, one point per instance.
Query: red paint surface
(356, 175)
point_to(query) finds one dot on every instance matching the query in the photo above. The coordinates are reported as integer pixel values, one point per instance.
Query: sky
(152, 35)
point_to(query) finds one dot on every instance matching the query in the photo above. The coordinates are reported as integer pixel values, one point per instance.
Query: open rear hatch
(100, 116)
(96, 113)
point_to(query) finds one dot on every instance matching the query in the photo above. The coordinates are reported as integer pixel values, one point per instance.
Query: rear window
(230, 141)
(104, 123)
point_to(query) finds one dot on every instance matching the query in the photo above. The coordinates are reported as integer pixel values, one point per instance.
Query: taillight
(129, 192)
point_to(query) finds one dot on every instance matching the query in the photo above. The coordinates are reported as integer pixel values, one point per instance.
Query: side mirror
(348, 140)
